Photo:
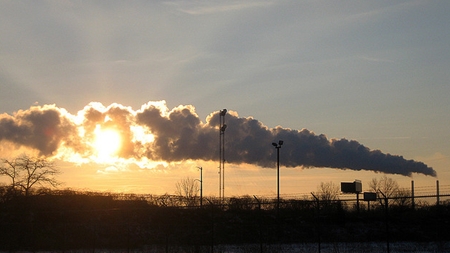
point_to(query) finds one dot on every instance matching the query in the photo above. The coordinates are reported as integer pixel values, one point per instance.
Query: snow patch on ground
(369, 247)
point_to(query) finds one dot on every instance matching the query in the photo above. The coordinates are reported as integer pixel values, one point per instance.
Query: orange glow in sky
(355, 89)
(107, 143)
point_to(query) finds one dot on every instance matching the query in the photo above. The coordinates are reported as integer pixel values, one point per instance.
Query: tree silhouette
(384, 187)
(187, 189)
(328, 192)
(25, 172)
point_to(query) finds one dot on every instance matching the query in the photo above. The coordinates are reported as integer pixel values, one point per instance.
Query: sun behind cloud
(107, 143)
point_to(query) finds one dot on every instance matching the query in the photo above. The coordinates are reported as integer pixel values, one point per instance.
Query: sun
(107, 143)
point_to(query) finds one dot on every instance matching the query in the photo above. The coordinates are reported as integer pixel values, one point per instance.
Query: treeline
(63, 220)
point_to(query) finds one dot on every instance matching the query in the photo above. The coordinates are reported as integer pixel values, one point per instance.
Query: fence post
(386, 206)
(259, 225)
(212, 225)
(413, 204)
(357, 201)
(437, 192)
(318, 222)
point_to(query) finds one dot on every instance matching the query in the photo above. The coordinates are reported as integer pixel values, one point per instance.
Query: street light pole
(278, 146)
(222, 127)
(201, 186)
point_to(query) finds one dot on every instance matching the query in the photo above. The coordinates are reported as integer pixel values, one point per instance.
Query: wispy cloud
(374, 59)
(211, 7)
(388, 138)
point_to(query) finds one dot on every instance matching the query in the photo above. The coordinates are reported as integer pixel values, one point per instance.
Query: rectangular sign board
(347, 187)
(351, 187)
(370, 196)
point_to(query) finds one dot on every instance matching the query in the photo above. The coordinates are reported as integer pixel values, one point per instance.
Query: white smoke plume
(156, 133)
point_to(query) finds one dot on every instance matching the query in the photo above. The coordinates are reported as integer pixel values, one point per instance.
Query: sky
(125, 95)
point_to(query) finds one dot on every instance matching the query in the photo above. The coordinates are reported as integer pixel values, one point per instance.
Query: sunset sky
(125, 95)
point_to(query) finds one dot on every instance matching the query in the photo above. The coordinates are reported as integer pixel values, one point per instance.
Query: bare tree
(403, 198)
(384, 187)
(187, 188)
(166, 200)
(327, 196)
(26, 172)
(328, 192)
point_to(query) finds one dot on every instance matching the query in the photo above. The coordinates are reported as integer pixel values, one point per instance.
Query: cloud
(213, 8)
(155, 133)
(41, 128)
(376, 60)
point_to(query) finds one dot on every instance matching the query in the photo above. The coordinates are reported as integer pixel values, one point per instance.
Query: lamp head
(274, 144)
(280, 142)
(223, 112)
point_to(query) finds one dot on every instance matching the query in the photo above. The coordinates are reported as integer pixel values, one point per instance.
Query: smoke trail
(249, 142)
(160, 134)
(40, 128)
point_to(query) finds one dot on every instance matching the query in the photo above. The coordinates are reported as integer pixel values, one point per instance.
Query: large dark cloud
(179, 135)
(41, 128)
(249, 141)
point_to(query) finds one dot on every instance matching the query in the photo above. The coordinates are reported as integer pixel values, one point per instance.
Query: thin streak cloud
(373, 59)
(207, 7)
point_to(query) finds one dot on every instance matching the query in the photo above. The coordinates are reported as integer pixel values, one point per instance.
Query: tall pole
(278, 177)
(201, 186)
(222, 127)
(220, 163)
(437, 192)
(278, 146)
(220, 155)
(223, 156)
(413, 204)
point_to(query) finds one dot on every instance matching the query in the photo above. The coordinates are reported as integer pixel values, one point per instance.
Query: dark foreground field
(90, 222)
(369, 247)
